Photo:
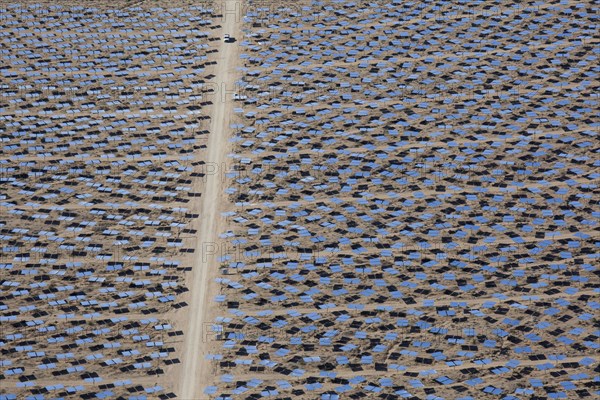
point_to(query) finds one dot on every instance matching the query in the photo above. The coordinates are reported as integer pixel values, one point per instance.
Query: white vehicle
(227, 38)
(237, 96)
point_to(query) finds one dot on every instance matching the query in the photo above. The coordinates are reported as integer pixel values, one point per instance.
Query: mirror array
(416, 203)
(415, 194)
(102, 128)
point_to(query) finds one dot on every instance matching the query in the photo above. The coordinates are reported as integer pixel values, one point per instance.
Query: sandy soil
(351, 219)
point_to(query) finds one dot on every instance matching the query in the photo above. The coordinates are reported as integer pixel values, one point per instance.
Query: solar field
(368, 199)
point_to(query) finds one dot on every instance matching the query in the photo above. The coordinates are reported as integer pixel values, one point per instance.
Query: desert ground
(366, 199)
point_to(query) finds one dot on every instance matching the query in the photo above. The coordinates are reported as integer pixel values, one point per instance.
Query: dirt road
(195, 373)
